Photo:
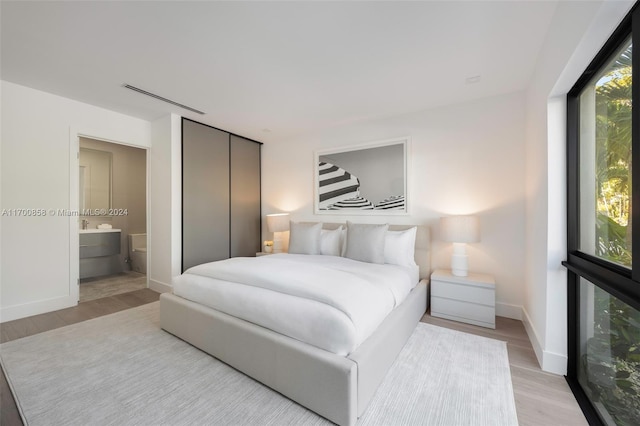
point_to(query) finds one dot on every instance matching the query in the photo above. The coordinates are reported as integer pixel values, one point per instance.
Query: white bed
(321, 330)
(330, 302)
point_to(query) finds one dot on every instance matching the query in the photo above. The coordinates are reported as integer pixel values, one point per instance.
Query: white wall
(464, 159)
(36, 134)
(575, 35)
(164, 245)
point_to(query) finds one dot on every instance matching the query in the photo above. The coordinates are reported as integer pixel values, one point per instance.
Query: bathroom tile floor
(97, 288)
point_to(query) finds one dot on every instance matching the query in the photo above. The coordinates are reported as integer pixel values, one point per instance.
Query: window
(605, 161)
(603, 202)
(609, 354)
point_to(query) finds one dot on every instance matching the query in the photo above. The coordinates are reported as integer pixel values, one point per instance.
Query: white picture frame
(363, 179)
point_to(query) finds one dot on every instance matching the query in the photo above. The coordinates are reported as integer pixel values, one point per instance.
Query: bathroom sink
(95, 231)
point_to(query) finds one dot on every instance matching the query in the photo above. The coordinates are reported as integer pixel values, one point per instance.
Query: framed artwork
(362, 179)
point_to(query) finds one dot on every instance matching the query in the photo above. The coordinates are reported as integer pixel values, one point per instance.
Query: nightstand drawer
(463, 311)
(463, 292)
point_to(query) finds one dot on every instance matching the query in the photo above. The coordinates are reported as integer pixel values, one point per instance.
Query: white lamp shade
(278, 222)
(460, 229)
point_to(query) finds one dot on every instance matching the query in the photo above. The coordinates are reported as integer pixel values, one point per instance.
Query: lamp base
(459, 260)
(279, 245)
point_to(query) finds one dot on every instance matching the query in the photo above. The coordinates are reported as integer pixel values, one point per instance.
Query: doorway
(112, 218)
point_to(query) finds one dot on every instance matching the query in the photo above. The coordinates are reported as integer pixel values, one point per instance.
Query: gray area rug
(123, 369)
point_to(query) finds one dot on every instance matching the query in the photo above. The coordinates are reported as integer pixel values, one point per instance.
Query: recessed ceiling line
(153, 95)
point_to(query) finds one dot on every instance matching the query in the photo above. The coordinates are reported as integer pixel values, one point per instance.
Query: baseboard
(10, 313)
(533, 336)
(554, 363)
(550, 362)
(509, 311)
(160, 287)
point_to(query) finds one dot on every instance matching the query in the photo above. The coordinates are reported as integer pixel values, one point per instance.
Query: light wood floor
(541, 398)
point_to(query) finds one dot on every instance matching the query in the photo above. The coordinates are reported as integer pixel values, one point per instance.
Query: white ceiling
(290, 67)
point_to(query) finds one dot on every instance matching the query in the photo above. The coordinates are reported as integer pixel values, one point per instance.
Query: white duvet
(330, 302)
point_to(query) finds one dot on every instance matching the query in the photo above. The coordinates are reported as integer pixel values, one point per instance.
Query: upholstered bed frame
(338, 388)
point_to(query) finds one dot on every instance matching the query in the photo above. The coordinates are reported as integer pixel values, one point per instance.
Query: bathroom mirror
(95, 179)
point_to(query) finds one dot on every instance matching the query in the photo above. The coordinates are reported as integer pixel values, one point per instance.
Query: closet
(220, 195)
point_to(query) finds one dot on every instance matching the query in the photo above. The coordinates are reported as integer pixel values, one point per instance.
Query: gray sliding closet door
(205, 194)
(245, 197)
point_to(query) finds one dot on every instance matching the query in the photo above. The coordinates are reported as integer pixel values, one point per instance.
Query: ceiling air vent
(153, 95)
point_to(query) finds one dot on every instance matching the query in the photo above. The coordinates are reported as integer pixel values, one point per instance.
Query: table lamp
(278, 223)
(460, 230)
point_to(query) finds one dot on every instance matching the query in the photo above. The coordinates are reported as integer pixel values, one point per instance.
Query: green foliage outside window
(613, 161)
(612, 359)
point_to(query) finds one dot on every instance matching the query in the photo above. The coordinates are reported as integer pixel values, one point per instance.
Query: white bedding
(331, 302)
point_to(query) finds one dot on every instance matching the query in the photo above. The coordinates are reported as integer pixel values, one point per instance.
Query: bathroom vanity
(99, 250)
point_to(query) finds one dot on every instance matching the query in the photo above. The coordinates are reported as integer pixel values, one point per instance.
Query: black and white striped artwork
(370, 178)
(334, 185)
(395, 202)
(352, 203)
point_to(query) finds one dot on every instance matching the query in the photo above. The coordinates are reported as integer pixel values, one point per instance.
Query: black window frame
(621, 282)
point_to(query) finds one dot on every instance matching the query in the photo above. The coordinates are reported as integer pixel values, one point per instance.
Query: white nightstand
(262, 253)
(470, 299)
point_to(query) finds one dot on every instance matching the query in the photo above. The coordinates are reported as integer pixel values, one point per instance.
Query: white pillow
(331, 242)
(399, 247)
(366, 242)
(304, 238)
